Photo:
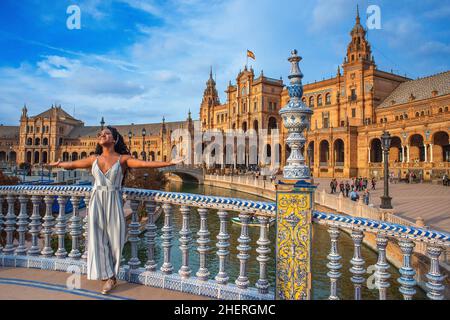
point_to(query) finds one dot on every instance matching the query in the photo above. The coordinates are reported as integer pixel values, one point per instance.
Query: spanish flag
(251, 54)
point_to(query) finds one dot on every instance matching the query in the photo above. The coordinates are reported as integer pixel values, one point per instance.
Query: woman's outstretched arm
(136, 163)
(77, 164)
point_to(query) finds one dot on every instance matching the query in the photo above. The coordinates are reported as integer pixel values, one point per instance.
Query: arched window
(319, 100)
(328, 98)
(417, 114)
(311, 102)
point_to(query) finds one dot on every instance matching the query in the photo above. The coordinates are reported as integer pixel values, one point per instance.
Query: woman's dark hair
(120, 147)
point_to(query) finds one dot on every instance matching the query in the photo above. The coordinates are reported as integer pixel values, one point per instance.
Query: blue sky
(137, 61)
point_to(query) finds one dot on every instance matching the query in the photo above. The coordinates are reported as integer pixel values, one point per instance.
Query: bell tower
(358, 50)
(209, 101)
(358, 65)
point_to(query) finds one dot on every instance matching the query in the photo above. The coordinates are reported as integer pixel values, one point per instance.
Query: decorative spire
(189, 114)
(102, 123)
(358, 20)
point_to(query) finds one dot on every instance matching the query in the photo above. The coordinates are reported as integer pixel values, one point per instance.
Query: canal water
(320, 249)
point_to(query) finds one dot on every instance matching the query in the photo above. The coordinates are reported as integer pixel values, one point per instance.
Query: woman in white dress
(106, 222)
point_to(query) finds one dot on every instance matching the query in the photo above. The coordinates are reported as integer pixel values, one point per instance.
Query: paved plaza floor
(411, 201)
(34, 284)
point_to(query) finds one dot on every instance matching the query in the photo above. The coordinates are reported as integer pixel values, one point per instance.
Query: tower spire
(358, 20)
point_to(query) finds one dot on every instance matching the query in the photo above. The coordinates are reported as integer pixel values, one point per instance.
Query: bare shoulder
(124, 158)
(92, 158)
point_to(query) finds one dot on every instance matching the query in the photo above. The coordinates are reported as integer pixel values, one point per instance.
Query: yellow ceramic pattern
(293, 243)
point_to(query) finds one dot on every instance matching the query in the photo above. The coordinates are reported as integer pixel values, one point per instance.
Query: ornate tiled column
(295, 198)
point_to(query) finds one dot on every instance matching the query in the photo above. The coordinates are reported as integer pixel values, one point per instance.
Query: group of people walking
(351, 188)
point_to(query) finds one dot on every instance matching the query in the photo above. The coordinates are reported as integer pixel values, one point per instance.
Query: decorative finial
(102, 123)
(210, 72)
(357, 14)
(296, 117)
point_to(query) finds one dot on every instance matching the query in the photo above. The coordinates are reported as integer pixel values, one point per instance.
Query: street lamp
(144, 132)
(130, 135)
(385, 144)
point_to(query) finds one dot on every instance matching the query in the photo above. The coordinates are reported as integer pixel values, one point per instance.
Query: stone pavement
(35, 284)
(411, 201)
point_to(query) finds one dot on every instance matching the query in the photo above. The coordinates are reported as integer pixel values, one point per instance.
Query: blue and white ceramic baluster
(263, 250)
(75, 228)
(203, 247)
(150, 235)
(35, 226)
(10, 225)
(2, 221)
(357, 262)
(435, 278)
(22, 223)
(87, 198)
(222, 248)
(185, 241)
(242, 281)
(381, 275)
(407, 280)
(60, 227)
(49, 223)
(167, 236)
(133, 235)
(334, 265)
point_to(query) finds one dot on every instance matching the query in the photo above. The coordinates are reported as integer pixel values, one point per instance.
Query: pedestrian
(342, 188)
(332, 186)
(354, 196)
(107, 227)
(445, 179)
(347, 188)
(366, 197)
(374, 183)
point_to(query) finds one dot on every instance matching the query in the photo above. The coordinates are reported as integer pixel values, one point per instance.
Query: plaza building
(55, 134)
(351, 111)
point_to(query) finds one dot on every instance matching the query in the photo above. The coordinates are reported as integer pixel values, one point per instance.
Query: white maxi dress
(106, 223)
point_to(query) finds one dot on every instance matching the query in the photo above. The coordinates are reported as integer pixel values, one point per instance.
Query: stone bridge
(186, 172)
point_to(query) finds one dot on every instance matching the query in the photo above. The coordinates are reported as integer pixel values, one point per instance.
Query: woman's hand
(177, 161)
(54, 164)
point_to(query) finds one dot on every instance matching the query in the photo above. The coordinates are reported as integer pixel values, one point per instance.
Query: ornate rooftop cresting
(296, 118)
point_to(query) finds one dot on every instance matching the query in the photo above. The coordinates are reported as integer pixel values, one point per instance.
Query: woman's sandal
(109, 285)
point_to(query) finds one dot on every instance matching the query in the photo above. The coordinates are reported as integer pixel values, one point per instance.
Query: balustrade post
(222, 248)
(293, 242)
(185, 240)
(357, 262)
(133, 234)
(48, 225)
(60, 227)
(86, 227)
(35, 226)
(381, 267)
(203, 247)
(150, 235)
(242, 281)
(263, 250)
(10, 225)
(2, 221)
(75, 228)
(435, 278)
(22, 223)
(334, 265)
(167, 236)
(407, 280)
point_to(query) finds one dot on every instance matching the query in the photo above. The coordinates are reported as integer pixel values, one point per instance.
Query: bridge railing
(18, 225)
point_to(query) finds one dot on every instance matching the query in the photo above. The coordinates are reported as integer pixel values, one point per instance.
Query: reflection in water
(320, 249)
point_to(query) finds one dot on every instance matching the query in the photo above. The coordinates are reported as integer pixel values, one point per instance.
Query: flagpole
(246, 64)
